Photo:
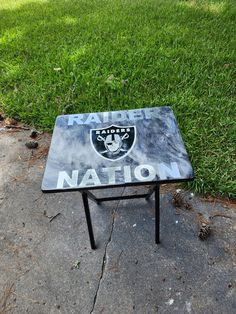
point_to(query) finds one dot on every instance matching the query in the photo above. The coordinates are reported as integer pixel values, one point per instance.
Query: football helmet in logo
(114, 142)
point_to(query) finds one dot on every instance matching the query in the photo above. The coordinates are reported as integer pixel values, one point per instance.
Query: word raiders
(114, 116)
(113, 142)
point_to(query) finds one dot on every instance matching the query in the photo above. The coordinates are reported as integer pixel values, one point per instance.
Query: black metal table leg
(92, 197)
(97, 200)
(88, 218)
(157, 214)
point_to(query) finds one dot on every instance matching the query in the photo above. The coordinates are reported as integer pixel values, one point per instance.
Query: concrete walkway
(47, 266)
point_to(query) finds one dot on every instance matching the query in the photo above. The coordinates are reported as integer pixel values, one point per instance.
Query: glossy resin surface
(116, 148)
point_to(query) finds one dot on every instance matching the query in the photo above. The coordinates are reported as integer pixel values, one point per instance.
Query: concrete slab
(181, 275)
(128, 273)
(38, 256)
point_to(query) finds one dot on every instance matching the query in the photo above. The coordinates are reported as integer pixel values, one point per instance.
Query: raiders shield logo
(113, 142)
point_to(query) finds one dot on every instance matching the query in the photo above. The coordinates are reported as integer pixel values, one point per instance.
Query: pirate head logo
(113, 142)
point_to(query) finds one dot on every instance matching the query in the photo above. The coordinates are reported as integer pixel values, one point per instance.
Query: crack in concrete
(105, 254)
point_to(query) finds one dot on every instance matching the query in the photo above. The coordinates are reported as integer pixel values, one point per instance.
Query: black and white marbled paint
(157, 153)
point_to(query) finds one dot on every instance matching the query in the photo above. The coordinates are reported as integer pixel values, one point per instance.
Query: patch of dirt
(37, 154)
(223, 201)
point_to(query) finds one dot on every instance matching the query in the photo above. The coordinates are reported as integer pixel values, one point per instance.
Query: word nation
(126, 174)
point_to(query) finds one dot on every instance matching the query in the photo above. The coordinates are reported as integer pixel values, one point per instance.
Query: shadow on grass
(79, 56)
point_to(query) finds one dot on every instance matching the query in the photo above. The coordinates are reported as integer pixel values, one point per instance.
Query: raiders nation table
(116, 149)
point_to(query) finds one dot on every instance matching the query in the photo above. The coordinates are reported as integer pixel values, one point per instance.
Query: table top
(117, 148)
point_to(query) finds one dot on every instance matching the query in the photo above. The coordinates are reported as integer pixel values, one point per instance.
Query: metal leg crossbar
(88, 195)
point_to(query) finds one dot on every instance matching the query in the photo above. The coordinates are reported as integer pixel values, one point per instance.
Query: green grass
(116, 54)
